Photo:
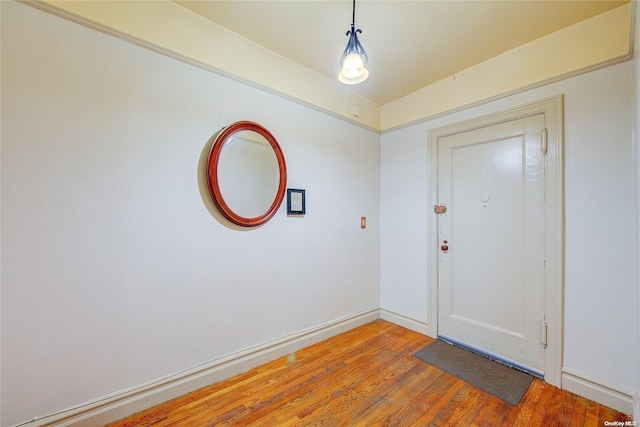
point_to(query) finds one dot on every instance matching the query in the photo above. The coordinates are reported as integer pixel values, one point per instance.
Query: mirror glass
(246, 174)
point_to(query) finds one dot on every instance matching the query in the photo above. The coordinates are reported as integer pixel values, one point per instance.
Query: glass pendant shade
(354, 57)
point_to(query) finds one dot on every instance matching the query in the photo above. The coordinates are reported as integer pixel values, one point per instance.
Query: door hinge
(544, 141)
(543, 334)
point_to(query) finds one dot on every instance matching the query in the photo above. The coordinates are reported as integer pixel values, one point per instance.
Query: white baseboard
(616, 397)
(125, 403)
(403, 319)
(119, 405)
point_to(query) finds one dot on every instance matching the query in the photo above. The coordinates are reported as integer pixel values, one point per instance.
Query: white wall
(600, 197)
(114, 271)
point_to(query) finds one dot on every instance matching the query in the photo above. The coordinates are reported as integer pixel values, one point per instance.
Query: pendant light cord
(353, 17)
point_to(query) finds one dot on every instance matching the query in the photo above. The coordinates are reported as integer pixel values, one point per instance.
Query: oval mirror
(246, 174)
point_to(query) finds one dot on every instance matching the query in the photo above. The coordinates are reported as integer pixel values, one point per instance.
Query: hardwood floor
(365, 377)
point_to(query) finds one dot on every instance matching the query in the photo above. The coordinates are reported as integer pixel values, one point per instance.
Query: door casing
(552, 109)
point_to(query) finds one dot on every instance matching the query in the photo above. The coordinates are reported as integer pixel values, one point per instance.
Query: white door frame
(552, 108)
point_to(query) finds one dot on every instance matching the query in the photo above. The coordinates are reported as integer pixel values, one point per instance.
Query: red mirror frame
(212, 174)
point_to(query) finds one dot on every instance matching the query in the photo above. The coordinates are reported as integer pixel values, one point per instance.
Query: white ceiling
(410, 44)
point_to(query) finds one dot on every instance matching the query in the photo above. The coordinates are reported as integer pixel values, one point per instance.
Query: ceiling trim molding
(137, 23)
(598, 42)
(587, 46)
(498, 97)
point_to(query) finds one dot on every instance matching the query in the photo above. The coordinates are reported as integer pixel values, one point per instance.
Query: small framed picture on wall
(295, 202)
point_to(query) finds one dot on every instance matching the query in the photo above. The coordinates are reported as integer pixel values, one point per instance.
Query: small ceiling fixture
(354, 57)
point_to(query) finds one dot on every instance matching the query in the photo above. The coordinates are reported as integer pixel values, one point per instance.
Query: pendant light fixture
(354, 57)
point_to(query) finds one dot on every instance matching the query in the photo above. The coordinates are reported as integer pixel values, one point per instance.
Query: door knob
(444, 248)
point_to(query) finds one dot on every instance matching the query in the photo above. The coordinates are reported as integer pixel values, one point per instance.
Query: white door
(491, 237)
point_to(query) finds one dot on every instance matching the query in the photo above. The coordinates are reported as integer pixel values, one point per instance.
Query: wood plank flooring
(366, 377)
